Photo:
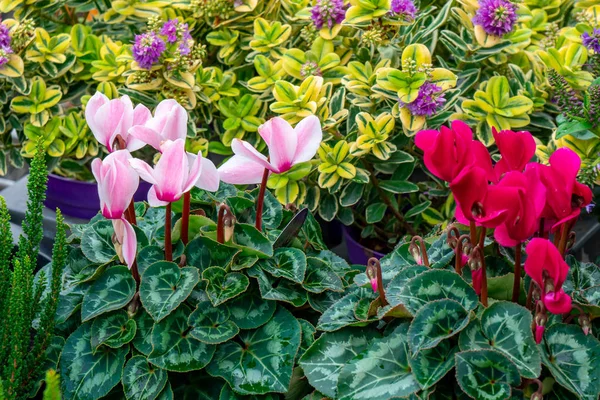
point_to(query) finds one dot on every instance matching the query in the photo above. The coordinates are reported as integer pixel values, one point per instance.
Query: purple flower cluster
(169, 29)
(592, 41)
(405, 9)
(328, 12)
(147, 49)
(497, 17)
(428, 101)
(5, 40)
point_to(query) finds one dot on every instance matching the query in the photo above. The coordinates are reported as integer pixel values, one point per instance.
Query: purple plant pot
(357, 253)
(80, 199)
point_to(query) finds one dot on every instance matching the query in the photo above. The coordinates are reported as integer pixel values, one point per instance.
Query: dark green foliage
(24, 299)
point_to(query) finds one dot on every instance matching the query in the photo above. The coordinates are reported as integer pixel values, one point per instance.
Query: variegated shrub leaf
(164, 286)
(573, 358)
(212, 325)
(380, 372)
(249, 311)
(288, 263)
(324, 360)
(142, 380)
(436, 321)
(113, 290)
(321, 277)
(505, 327)
(265, 362)
(174, 349)
(342, 312)
(85, 375)
(486, 374)
(431, 365)
(113, 330)
(222, 286)
(278, 289)
(435, 285)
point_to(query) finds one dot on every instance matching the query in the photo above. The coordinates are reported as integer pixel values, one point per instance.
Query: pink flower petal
(141, 115)
(309, 135)
(539, 333)
(282, 142)
(95, 102)
(209, 179)
(153, 199)
(503, 238)
(245, 149)
(462, 129)
(170, 119)
(171, 171)
(374, 284)
(108, 121)
(240, 170)
(557, 302)
(195, 162)
(126, 236)
(143, 169)
(146, 135)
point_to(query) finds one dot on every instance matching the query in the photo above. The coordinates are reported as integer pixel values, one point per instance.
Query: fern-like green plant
(24, 299)
(52, 391)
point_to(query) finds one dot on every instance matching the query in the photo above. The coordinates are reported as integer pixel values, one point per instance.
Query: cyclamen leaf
(436, 321)
(505, 327)
(228, 394)
(278, 289)
(342, 312)
(381, 372)
(113, 290)
(113, 330)
(573, 358)
(486, 374)
(142, 380)
(324, 360)
(249, 311)
(265, 362)
(393, 289)
(252, 242)
(321, 277)
(431, 365)
(88, 376)
(203, 252)
(287, 262)
(174, 349)
(222, 286)
(143, 337)
(212, 325)
(164, 286)
(148, 256)
(96, 242)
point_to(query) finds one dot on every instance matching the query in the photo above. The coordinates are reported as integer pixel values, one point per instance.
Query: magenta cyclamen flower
(328, 12)
(497, 17)
(147, 49)
(428, 101)
(405, 9)
(592, 41)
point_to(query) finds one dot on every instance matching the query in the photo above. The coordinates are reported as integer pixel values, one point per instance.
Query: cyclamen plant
(424, 316)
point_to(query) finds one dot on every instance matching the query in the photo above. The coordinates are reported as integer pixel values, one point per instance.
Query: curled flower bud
(374, 284)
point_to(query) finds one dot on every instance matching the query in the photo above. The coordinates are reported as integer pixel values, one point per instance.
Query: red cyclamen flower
(516, 148)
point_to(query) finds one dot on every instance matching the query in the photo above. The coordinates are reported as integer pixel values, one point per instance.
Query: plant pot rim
(65, 179)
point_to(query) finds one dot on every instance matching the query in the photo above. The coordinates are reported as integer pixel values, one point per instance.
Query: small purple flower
(405, 9)
(147, 49)
(328, 12)
(186, 40)
(428, 101)
(169, 29)
(4, 36)
(5, 53)
(589, 207)
(592, 41)
(497, 17)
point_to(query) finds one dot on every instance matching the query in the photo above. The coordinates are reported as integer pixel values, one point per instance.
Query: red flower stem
(168, 243)
(564, 234)
(473, 229)
(484, 285)
(261, 200)
(185, 218)
(541, 228)
(221, 223)
(374, 263)
(517, 281)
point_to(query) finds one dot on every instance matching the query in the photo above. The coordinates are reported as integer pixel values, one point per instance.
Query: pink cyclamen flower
(516, 148)
(108, 119)
(374, 284)
(539, 333)
(547, 268)
(175, 173)
(531, 198)
(287, 147)
(449, 151)
(168, 123)
(117, 183)
(477, 279)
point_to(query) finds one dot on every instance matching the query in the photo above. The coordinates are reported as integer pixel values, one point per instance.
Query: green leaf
(436, 285)
(399, 186)
(321, 277)
(505, 327)
(397, 283)
(342, 312)
(351, 194)
(148, 256)
(278, 289)
(96, 242)
(288, 263)
(222, 286)
(375, 212)
(113, 290)
(85, 375)
(142, 380)
(165, 286)
(324, 360)
(573, 358)
(143, 337)
(249, 311)
(204, 252)
(251, 241)
(308, 336)
(228, 394)
(174, 349)
(436, 321)
(431, 365)
(328, 207)
(380, 372)
(486, 374)
(265, 362)
(113, 330)
(212, 325)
